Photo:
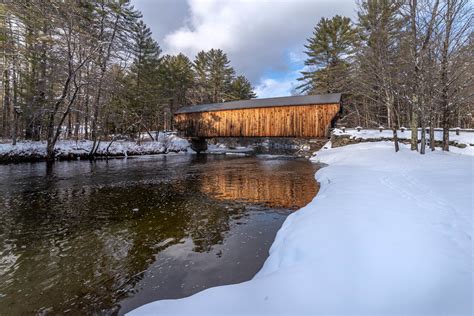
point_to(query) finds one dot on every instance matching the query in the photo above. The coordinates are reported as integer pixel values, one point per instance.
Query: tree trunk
(423, 134)
(53, 135)
(86, 116)
(414, 130)
(51, 142)
(445, 136)
(103, 60)
(389, 116)
(6, 102)
(395, 139)
(432, 137)
(15, 127)
(69, 125)
(94, 125)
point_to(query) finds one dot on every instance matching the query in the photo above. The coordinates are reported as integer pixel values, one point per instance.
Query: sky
(264, 39)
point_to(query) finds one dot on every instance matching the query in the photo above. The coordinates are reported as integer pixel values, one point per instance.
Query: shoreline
(67, 150)
(381, 223)
(79, 157)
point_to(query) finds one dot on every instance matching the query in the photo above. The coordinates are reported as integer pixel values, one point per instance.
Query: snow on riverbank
(30, 150)
(388, 233)
(464, 137)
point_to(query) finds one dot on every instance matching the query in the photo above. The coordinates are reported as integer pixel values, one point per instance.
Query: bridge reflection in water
(270, 184)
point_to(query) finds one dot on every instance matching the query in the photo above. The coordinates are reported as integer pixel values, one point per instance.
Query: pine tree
(146, 51)
(241, 89)
(201, 70)
(177, 79)
(221, 75)
(329, 51)
(144, 85)
(213, 75)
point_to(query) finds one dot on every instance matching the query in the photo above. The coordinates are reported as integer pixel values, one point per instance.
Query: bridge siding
(281, 121)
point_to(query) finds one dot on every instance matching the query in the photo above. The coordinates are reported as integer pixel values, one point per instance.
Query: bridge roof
(262, 103)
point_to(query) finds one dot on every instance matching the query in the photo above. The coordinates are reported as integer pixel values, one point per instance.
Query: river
(105, 237)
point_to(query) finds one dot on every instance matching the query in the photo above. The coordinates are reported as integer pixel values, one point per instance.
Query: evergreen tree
(177, 79)
(329, 51)
(145, 49)
(201, 71)
(241, 89)
(144, 85)
(213, 75)
(221, 75)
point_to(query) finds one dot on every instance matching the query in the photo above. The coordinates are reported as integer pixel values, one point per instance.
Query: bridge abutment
(198, 144)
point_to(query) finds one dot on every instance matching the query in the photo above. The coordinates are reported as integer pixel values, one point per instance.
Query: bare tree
(380, 23)
(455, 34)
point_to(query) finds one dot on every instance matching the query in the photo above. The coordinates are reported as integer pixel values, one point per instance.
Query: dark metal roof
(262, 103)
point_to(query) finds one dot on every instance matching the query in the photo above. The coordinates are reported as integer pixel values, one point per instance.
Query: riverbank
(462, 142)
(31, 151)
(388, 233)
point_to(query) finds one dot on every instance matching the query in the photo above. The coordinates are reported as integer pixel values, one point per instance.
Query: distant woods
(91, 70)
(402, 63)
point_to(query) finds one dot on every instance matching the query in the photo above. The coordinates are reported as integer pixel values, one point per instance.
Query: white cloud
(297, 56)
(259, 36)
(279, 85)
(256, 34)
(274, 88)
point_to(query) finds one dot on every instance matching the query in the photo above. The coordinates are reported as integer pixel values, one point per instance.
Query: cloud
(280, 84)
(275, 87)
(259, 36)
(163, 16)
(256, 34)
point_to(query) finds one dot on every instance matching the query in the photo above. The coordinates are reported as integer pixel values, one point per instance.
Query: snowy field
(464, 137)
(164, 144)
(388, 234)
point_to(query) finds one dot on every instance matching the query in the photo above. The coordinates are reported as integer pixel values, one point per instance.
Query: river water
(108, 236)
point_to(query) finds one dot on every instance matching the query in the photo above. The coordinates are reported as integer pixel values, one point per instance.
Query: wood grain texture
(281, 121)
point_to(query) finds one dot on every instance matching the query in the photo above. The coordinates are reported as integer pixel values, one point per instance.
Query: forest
(403, 63)
(92, 70)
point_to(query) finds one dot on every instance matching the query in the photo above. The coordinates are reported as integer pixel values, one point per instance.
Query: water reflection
(274, 185)
(106, 237)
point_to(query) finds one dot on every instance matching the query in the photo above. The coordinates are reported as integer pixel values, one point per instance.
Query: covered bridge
(296, 116)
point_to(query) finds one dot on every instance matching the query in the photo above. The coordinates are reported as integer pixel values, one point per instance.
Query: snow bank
(29, 150)
(464, 137)
(388, 233)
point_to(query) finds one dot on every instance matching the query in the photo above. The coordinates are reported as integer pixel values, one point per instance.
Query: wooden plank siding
(280, 121)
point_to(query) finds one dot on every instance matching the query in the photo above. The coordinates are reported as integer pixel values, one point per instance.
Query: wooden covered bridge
(308, 116)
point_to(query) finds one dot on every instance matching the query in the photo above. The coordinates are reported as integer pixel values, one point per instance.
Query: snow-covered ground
(464, 137)
(388, 234)
(37, 150)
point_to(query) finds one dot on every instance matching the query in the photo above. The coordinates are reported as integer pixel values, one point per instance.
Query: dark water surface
(107, 237)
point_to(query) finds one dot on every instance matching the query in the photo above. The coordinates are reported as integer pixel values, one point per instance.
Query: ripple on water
(107, 237)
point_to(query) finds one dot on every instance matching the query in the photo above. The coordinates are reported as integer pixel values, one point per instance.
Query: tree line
(402, 63)
(91, 70)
